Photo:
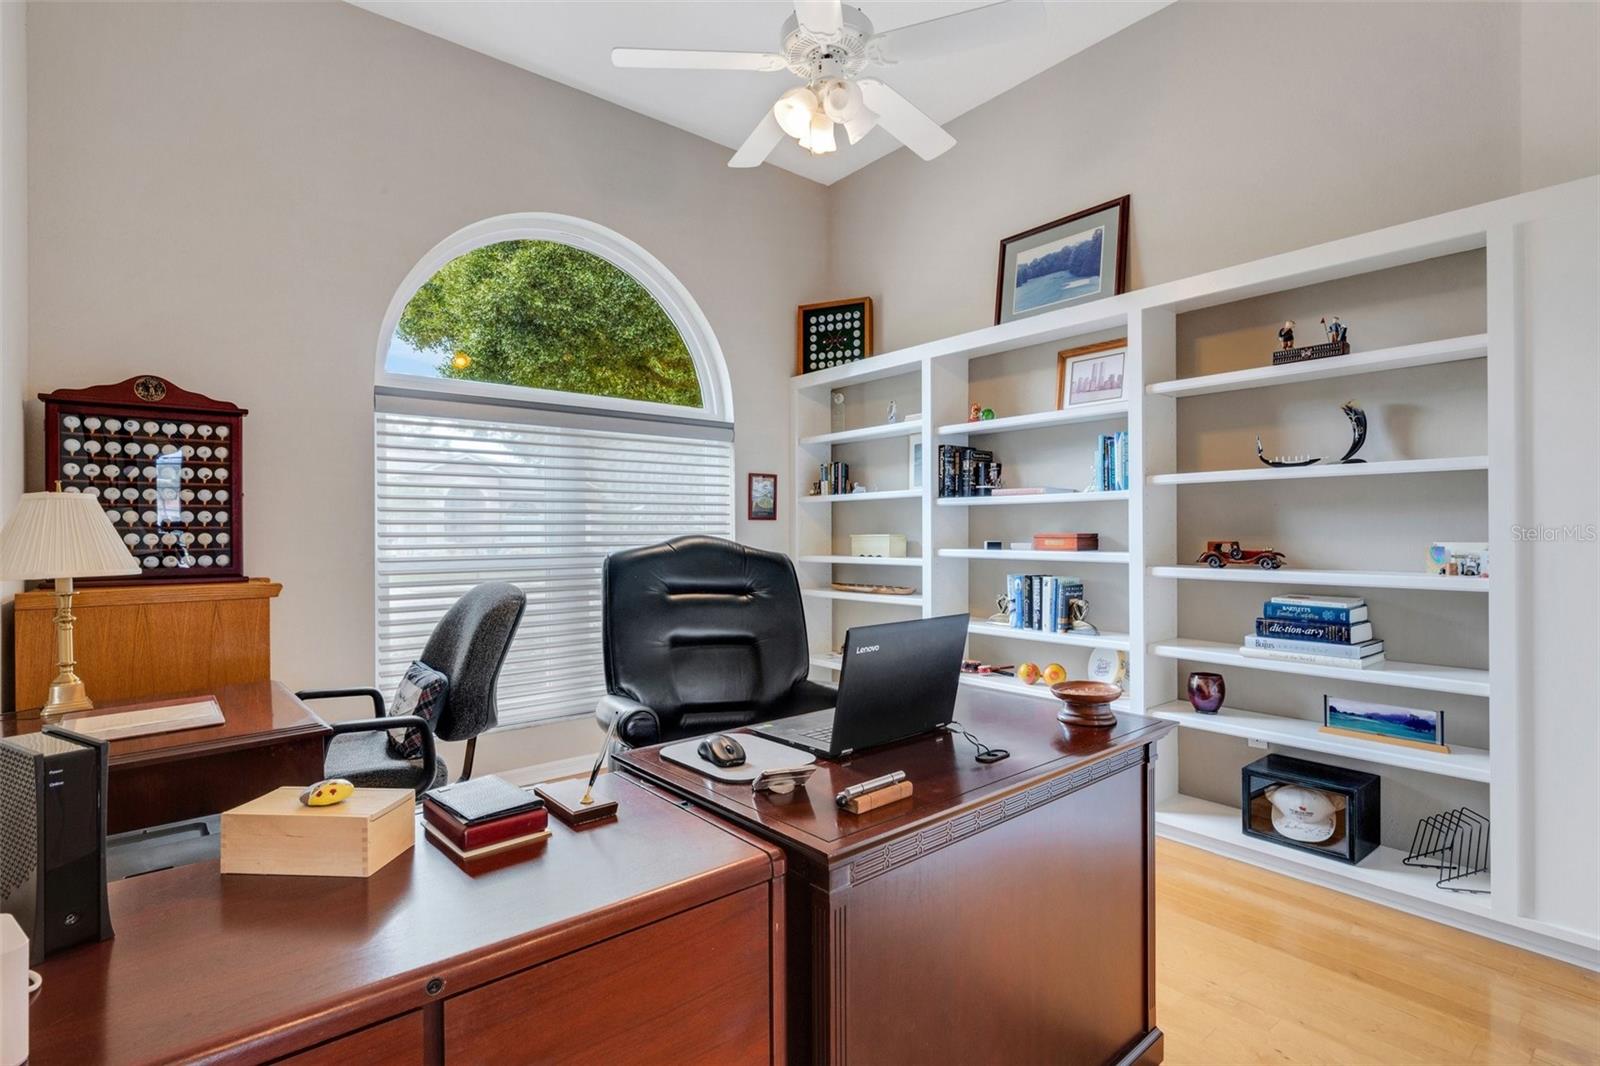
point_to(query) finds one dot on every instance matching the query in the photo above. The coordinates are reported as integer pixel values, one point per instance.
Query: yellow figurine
(327, 793)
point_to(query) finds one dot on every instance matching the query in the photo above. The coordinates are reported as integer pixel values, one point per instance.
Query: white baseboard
(524, 776)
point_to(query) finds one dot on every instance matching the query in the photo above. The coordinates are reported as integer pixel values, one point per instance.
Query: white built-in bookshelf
(1428, 305)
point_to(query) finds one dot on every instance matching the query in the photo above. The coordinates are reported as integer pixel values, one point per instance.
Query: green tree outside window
(545, 315)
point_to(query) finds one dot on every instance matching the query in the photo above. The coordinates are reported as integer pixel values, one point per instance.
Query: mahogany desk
(269, 739)
(656, 938)
(1003, 914)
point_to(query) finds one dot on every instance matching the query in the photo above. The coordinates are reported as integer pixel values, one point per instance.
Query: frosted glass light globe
(794, 110)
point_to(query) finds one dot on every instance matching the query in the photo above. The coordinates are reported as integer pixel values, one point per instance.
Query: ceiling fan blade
(690, 59)
(756, 147)
(823, 18)
(956, 33)
(901, 119)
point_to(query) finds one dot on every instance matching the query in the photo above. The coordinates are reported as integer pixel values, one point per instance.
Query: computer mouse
(722, 750)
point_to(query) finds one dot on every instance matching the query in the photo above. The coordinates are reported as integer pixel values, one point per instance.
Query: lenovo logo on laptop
(866, 648)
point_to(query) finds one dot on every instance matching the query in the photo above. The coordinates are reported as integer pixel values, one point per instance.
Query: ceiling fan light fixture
(819, 140)
(794, 111)
(841, 100)
(861, 125)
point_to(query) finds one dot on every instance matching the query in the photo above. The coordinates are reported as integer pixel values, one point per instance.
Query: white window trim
(716, 390)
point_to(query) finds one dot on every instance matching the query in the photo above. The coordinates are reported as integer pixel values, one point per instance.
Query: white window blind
(462, 500)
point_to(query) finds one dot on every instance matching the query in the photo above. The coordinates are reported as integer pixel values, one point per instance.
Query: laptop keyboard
(822, 734)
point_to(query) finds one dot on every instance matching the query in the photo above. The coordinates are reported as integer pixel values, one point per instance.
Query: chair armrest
(430, 757)
(638, 725)
(340, 693)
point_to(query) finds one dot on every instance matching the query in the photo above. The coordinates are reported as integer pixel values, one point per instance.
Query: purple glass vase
(1206, 692)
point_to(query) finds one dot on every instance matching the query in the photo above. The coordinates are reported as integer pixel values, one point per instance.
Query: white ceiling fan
(829, 44)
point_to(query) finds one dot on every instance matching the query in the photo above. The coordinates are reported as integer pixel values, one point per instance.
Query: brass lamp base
(67, 694)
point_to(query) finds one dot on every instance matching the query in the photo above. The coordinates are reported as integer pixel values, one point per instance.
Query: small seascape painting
(1380, 721)
(1071, 260)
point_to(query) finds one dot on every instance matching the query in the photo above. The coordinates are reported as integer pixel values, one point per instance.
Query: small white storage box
(880, 545)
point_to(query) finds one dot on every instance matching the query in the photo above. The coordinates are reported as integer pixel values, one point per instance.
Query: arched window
(546, 393)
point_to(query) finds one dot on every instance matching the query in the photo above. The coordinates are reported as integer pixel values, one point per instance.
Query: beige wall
(229, 194)
(13, 286)
(1240, 130)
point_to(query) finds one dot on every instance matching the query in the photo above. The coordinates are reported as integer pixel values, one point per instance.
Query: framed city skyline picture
(1071, 260)
(1090, 374)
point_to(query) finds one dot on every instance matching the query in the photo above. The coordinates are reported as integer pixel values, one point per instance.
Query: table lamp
(60, 536)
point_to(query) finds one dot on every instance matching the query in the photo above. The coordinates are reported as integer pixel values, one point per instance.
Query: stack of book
(835, 478)
(967, 471)
(1042, 601)
(483, 816)
(1320, 630)
(1111, 462)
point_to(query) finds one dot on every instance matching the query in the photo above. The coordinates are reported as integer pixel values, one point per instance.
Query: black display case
(1348, 833)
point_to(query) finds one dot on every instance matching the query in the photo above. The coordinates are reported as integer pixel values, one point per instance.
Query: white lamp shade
(821, 140)
(61, 534)
(794, 110)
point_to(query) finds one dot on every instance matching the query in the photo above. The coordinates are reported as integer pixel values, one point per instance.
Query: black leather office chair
(700, 635)
(468, 646)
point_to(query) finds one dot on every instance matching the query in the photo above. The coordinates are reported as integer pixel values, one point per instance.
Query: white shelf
(864, 597)
(864, 497)
(990, 682)
(1029, 555)
(1217, 828)
(1459, 680)
(1037, 498)
(860, 560)
(1244, 573)
(1381, 468)
(1427, 353)
(1099, 412)
(1469, 764)
(1077, 640)
(845, 436)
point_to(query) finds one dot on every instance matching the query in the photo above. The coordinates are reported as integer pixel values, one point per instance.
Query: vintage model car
(1222, 552)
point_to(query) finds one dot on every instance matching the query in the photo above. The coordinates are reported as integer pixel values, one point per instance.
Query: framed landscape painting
(763, 504)
(1069, 261)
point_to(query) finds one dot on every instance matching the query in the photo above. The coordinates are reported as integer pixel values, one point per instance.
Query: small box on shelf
(1323, 810)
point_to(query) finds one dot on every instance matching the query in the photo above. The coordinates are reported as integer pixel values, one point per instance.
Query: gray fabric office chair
(468, 646)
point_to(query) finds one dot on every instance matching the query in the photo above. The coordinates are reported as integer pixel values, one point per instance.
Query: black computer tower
(53, 838)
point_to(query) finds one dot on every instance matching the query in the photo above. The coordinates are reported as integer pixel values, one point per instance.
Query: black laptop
(897, 680)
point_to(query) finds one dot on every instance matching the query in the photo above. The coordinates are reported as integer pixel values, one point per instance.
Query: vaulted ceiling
(570, 41)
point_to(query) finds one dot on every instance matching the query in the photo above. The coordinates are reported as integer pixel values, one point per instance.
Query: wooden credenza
(654, 938)
(138, 642)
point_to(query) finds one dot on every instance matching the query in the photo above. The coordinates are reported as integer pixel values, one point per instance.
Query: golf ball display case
(165, 465)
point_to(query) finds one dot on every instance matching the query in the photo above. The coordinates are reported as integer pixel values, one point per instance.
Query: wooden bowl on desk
(1084, 703)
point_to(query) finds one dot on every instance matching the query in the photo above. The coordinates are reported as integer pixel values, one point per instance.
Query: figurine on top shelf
(1336, 343)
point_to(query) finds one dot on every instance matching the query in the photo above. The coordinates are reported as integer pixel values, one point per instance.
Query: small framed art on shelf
(1090, 374)
(832, 334)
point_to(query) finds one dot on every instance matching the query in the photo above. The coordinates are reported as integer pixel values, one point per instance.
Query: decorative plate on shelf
(832, 334)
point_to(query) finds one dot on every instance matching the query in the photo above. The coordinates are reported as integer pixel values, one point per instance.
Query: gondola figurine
(1358, 434)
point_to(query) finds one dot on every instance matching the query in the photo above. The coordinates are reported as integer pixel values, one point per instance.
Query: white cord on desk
(35, 982)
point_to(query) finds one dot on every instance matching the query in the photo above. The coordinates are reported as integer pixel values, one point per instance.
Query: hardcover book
(1347, 652)
(1309, 612)
(1325, 632)
(445, 844)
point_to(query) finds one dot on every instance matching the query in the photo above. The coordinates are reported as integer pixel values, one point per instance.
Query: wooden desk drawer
(693, 988)
(396, 1042)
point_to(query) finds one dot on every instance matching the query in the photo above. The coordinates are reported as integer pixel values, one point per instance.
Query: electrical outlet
(1256, 742)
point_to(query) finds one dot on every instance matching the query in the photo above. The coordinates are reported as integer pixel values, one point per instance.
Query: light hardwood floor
(1253, 967)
